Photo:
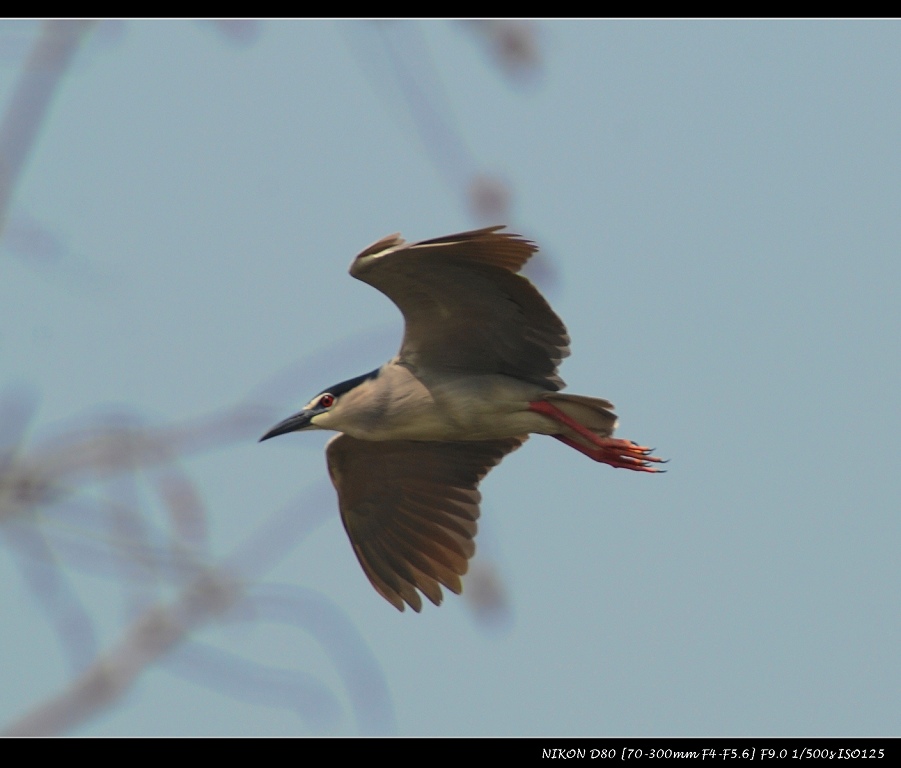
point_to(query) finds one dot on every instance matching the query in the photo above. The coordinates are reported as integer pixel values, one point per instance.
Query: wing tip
(384, 244)
(506, 249)
(486, 233)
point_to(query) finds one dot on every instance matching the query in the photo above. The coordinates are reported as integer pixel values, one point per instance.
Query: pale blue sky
(721, 201)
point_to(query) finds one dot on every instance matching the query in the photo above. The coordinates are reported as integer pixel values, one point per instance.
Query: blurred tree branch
(32, 482)
(49, 60)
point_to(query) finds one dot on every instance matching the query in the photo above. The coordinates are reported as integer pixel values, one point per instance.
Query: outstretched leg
(623, 454)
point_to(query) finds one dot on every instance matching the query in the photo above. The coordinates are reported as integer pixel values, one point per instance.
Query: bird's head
(323, 411)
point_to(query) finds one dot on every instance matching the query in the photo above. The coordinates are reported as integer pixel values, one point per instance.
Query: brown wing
(464, 306)
(410, 509)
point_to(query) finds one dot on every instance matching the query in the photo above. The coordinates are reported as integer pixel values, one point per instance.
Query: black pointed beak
(292, 424)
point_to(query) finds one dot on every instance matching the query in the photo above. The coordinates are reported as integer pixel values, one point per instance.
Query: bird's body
(475, 375)
(424, 405)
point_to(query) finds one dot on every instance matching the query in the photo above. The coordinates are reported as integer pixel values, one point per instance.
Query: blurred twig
(54, 475)
(48, 61)
(514, 45)
(111, 674)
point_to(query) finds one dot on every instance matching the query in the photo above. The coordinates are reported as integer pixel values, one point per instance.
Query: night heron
(476, 373)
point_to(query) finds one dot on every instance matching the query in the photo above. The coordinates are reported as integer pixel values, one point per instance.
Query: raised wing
(410, 509)
(465, 307)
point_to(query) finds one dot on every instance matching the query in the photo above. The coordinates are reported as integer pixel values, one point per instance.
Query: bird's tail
(592, 412)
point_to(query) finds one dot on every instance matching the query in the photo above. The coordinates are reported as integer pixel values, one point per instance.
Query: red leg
(623, 454)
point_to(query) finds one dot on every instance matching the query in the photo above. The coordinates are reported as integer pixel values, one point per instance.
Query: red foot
(623, 454)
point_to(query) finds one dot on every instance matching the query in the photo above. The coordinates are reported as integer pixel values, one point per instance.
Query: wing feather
(410, 509)
(465, 306)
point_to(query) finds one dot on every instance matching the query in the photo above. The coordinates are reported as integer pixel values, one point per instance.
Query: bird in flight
(475, 375)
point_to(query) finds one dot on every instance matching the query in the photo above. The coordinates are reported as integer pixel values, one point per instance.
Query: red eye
(326, 401)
